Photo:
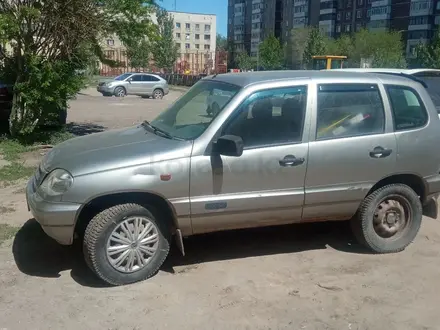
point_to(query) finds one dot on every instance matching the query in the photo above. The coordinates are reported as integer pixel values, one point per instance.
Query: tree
(428, 55)
(139, 54)
(50, 42)
(221, 42)
(316, 45)
(271, 53)
(244, 61)
(164, 48)
(383, 48)
(296, 45)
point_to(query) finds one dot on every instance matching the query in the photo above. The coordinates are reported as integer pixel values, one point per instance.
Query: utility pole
(175, 5)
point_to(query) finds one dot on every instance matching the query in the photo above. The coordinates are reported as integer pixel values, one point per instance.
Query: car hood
(113, 149)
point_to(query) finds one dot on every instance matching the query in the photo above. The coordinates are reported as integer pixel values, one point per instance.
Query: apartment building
(251, 20)
(194, 34)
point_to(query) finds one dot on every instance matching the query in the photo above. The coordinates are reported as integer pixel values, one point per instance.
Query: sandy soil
(310, 276)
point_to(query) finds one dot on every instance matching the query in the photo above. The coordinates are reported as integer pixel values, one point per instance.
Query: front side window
(188, 117)
(270, 117)
(346, 110)
(407, 107)
(123, 76)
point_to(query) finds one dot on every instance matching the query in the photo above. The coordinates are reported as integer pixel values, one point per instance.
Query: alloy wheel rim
(132, 244)
(158, 94)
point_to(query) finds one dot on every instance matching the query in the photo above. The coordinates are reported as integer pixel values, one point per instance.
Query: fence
(189, 63)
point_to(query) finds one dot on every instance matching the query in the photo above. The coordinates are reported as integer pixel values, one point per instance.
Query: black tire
(363, 222)
(158, 94)
(95, 244)
(120, 91)
(107, 94)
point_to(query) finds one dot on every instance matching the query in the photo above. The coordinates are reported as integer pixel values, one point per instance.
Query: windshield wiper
(159, 131)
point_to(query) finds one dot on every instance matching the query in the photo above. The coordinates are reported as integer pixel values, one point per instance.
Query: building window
(360, 2)
(349, 3)
(177, 25)
(178, 45)
(207, 37)
(207, 28)
(338, 16)
(110, 42)
(187, 36)
(197, 46)
(347, 28)
(348, 15)
(207, 47)
(198, 25)
(369, 2)
(338, 28)
(187, 26)
(359, 14)
(187, 46)
(358, 26)
(178, 35)
(197, 36)
(368, 12)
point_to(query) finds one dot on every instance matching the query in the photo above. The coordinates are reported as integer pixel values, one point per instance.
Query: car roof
(377, 70)
(244, 79)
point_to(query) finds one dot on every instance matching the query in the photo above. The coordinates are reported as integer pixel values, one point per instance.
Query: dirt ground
(310, 276)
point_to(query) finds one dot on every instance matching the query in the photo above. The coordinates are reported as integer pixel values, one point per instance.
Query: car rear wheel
(389, 219)
(120, 92)
(125, 244)
(157, 94)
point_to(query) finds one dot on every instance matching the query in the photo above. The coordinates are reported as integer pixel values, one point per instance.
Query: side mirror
(229, 145)
(129, 80)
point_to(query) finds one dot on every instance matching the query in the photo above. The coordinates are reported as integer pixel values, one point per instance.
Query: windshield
(123, 76)
(191, 115)
(432, 79)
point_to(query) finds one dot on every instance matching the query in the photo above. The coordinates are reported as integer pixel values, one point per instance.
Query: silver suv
(287, 147)
(140, 84)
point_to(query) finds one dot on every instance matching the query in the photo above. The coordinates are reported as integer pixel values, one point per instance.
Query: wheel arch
(414, 181)
(99, 203)
(120, 86)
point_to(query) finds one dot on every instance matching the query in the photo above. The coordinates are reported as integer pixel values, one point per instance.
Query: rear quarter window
(432, 80)
(407, 107)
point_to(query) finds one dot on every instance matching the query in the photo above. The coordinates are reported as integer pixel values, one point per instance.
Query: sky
(218, 7)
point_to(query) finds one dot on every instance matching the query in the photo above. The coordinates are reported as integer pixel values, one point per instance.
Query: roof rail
(409, 76)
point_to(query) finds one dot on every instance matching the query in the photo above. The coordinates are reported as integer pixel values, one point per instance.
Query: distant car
(141, 84)
(431, 77)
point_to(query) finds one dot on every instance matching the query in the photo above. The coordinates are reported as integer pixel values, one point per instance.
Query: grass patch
(7, 232)
(15, 171)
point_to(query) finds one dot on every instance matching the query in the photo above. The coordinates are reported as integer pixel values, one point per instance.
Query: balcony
(421, 8)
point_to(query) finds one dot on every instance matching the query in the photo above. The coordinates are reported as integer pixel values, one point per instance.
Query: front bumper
(57, 219)
(104, 89)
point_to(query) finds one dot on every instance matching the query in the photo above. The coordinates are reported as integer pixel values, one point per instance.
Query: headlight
(57, 182)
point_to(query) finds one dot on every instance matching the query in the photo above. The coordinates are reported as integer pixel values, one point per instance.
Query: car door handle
(380, 152)
(291, 160)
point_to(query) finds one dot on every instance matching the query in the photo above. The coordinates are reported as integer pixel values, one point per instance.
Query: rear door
(353, 147)
(148, 84)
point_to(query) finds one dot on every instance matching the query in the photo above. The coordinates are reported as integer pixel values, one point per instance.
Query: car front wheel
(389, 219)
(120, 92)
(125, 244)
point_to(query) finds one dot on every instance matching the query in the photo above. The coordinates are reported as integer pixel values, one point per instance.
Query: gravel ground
(311, 276)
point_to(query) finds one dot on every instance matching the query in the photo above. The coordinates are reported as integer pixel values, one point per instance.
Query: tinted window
(270, 117)
(407, 107)
(123, 76)
(349, 110)
(136, 77)
(432, 79)
(149, 78)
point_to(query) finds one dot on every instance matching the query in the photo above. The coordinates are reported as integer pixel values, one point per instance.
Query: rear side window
(432, 80)
(407, 107)
(149, 78)
(346, 110)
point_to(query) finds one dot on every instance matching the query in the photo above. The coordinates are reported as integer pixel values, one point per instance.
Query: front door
(354, 147)
(264, 186)
(135, 84)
